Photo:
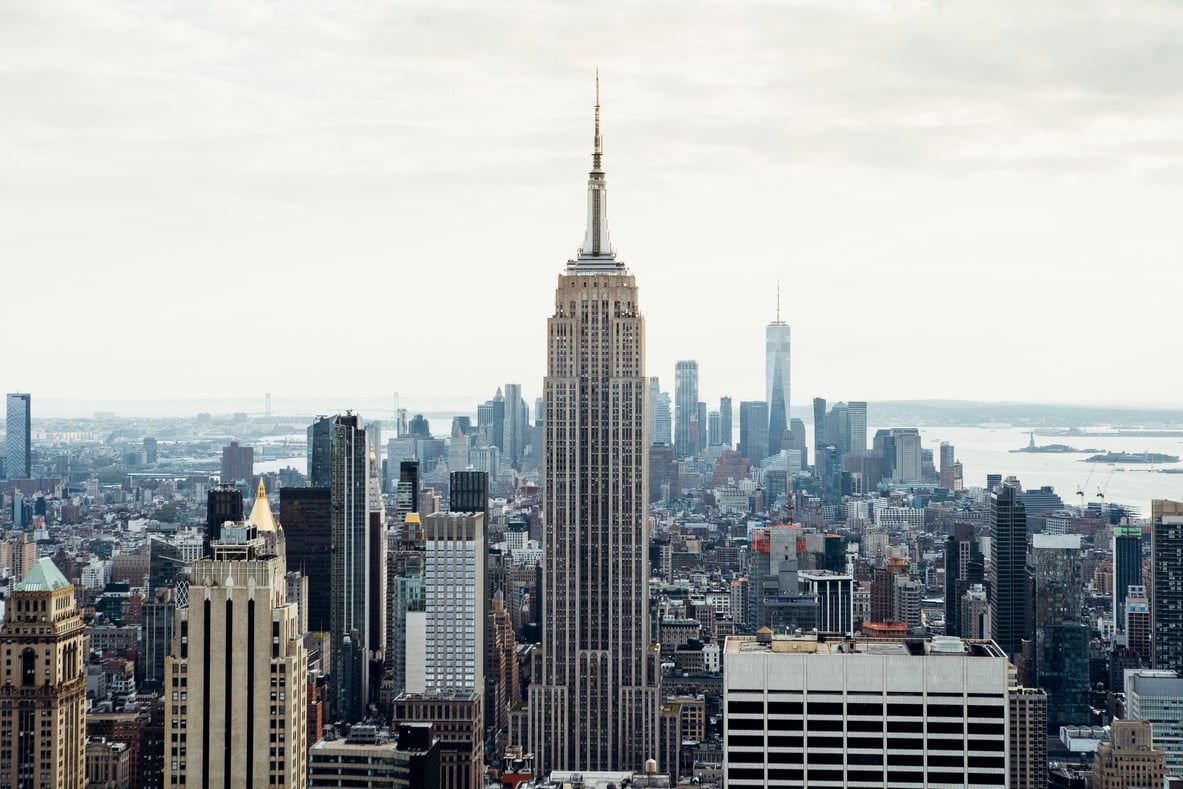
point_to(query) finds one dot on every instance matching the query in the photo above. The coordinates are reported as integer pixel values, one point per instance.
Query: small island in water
(1052, 448)
(1132, 457)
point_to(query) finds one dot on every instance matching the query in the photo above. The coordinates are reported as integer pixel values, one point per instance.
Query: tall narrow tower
(595, 706)
(18, 437)
(776, 378)
(356, 614)
(43, 726)
(239, 667)
(685, 408)
(1009, 615)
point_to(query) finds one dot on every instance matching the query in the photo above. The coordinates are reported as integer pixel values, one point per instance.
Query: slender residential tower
(595, 705)
(776, 378)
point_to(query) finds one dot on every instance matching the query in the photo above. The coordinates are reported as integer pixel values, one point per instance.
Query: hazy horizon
(383, 406)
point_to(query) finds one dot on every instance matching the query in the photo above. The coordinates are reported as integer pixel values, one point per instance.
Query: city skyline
(958, 166)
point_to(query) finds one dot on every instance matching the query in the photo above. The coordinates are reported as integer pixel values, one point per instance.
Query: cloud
(909, 145)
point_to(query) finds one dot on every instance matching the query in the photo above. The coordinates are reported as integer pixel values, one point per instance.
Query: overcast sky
(343, 199)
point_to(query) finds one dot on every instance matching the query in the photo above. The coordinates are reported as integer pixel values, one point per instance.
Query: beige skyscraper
(43, 698)
(595, 705)
(1128, 759)
(236, 681)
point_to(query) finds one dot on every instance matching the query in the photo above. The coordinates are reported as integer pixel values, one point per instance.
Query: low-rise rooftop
(813, 644)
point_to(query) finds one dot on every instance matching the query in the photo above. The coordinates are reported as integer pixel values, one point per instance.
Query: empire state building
(595, 705)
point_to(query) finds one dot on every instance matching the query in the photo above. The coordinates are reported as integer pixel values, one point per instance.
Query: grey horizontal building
(809, 711)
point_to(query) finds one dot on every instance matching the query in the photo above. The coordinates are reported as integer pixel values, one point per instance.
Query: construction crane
(1101, 489)
(1080, 488)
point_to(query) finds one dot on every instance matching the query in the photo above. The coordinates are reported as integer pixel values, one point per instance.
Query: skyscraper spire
(596, 246)
(598, 143)
(778, 301)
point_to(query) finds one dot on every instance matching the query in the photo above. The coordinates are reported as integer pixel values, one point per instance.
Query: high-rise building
(797, 439)
(973, 618)
(501, 666)
(238, 464)
(700, 426)
(1027, 730)
(685, 408)
(405, 584)
(18, 437)
(838, 428)
(307, 518)
(726, 422)
(320, 452)
(1061, 643)
(406, 492)
(515, 419)
(595, 703)
(776, 378)
(1166, 583)
(856, 414)
(468, 491)
(490, 417)
(1127, 568)
(43, 698)
(883, 447)
(806, 711)
(357, 613)
(819, 423)
(159, 616)
(908, 461)
(835, 602)
(222, 504)
(753, 430)
(714, 429)
(964, 567)
(1138, 625)
(1156, 696)
(239, 668)
(946, 461)
(445, 645)
(1128, 758)
(454, 602)
(1009, 625)
(660, 421)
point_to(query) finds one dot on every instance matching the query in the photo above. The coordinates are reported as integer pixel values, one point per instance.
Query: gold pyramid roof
(261, 511)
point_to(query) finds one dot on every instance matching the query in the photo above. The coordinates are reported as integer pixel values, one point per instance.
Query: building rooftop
(43, 577)
(261, 511)
(812, 644)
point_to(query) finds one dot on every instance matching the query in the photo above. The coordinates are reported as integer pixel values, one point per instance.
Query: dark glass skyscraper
(306, 515)
(320, 452)
(1009, 605)
(964, 567)
(1166, 584)
(468, 491)
(1127, 568)
(1061, 642)
(357, 616)
(222, 504)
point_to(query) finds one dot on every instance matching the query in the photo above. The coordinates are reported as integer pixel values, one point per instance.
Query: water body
(985, 451)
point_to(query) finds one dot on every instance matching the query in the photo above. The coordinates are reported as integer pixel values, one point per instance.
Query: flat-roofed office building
(808, 712)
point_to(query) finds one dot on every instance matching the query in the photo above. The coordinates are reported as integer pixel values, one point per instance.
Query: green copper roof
(44, 577)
